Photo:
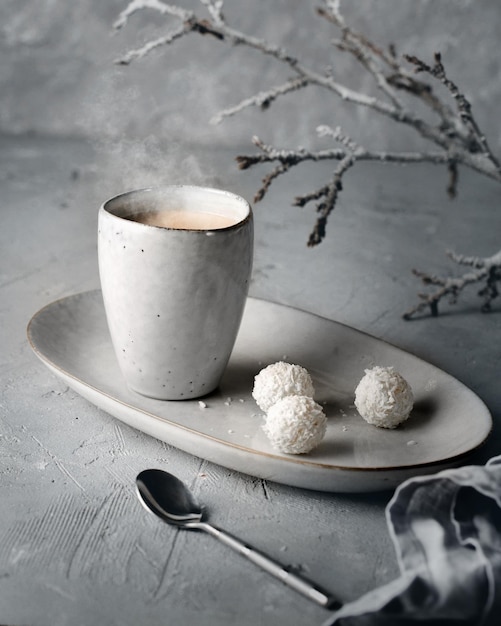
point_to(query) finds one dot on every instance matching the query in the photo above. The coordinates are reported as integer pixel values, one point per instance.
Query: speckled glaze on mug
(174, 298)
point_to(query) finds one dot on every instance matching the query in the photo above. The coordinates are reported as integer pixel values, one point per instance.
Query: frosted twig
(294, 157)
(154, 43)
(463, 105)
(215, 9)
(157, 5)
(475, 261)
(223, 31)
(190, 23)
(455, 133)
(362, 49)
(288, 158)
(330, 192)
(262, 99)
(486, 271)
(450, 136)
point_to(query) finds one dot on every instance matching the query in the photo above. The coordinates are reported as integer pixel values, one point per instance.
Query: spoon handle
(302, 585)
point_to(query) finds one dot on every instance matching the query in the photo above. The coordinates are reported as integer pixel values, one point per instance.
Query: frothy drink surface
(184, 220)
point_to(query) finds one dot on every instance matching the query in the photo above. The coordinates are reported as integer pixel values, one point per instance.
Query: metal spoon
(170, 499)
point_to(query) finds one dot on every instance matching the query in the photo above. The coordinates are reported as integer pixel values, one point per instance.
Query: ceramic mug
(174, 295)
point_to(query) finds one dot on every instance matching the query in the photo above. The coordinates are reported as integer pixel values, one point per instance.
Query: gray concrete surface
(76, 548)
(75, 545)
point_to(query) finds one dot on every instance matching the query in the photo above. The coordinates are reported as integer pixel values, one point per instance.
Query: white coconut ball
(280, 380)
(383, 397)
(295, 424)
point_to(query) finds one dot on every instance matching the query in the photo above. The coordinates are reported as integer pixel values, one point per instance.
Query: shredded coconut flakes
(383, 397)
(280, 380)
(295, 424)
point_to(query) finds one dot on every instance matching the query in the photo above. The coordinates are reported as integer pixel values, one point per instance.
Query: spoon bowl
(168, 497)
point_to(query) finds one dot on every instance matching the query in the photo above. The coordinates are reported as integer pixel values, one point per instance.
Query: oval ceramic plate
(448, 420)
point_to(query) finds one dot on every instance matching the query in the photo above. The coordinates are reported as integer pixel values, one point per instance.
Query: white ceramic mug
(174, 297)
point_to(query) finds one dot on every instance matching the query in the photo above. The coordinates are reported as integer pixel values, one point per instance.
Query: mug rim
(106, 208)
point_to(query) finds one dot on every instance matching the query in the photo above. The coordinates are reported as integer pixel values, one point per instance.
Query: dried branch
(362, 49)
(486, 271)
(478, 140)
(288, 158)
(263, 99)
(190, 24)
(331, 191)
(455, 134)
(223, 31)
(157, 5)
(155, 43)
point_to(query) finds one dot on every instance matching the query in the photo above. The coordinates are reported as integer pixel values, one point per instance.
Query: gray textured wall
(57, 74)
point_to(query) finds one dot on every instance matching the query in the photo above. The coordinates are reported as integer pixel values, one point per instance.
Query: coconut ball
(383, 397)
(295, 424)
(279, 380)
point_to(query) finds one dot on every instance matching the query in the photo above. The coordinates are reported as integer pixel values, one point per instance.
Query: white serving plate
(447, 423)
